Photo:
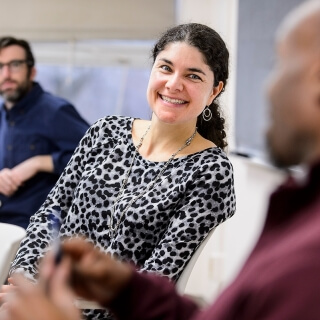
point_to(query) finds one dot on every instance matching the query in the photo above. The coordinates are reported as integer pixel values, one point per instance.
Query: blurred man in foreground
(280, 279)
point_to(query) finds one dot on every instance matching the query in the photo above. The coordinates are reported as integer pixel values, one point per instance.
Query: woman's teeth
(175, 101)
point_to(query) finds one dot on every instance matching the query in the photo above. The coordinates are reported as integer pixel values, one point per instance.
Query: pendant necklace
(114, 227)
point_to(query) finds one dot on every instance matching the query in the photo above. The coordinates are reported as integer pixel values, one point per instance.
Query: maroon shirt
(280, 280)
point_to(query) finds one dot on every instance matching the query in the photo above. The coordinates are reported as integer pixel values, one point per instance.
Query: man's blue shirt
(39, 124)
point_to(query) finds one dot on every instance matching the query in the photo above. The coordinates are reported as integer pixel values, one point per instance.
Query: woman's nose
(174, 83)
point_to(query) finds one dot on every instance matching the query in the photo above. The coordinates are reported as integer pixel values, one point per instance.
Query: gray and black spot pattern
(162, 229)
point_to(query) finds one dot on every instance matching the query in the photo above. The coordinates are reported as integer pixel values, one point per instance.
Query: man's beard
(17, 94)
(291, 152)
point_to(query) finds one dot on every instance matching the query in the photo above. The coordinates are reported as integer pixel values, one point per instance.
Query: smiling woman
(179, 89)
(150, 191)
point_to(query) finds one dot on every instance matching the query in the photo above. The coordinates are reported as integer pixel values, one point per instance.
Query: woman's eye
(165, 68)
(194, 77)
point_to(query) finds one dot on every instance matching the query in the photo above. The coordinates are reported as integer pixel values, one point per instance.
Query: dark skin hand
(84, 271)
(50, 299)
(95, 275)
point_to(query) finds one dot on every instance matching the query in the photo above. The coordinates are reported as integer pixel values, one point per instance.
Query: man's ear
(318, 94)
(314, 74)
(317, 79)
(33, 73)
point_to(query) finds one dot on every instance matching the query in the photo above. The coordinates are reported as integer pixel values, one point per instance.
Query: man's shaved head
(294, 89)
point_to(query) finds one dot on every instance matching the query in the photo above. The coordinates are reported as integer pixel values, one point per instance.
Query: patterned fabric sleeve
(38, 237)
(209, 201)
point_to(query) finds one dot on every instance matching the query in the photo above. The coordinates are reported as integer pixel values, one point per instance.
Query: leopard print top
(161, 230)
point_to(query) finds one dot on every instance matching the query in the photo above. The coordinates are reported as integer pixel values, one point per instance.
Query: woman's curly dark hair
(216, 55)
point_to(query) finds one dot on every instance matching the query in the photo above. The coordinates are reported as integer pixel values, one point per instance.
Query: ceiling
(47, 20)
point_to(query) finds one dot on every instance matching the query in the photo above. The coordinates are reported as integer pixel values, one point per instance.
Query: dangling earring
(206, 114)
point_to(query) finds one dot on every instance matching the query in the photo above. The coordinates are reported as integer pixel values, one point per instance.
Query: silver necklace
(113, 228)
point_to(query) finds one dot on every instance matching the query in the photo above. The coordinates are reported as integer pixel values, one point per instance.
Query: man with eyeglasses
(38, 134)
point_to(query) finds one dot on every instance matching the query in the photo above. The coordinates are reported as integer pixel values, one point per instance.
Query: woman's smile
(172, 100)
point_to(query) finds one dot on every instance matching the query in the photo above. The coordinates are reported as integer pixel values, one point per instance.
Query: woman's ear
(215, 92)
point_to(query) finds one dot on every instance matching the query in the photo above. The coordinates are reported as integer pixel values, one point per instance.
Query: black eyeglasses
(14, 65)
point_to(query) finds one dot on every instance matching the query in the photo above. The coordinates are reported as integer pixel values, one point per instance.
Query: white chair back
(185, 275)
(10, 238)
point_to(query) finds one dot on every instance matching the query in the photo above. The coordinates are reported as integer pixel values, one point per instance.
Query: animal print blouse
(160, 230)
